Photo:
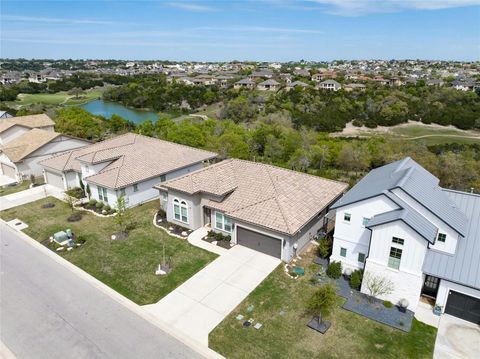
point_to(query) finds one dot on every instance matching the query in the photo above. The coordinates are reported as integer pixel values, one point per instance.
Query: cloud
(364, 7)
(190, 6)
(52, 20)
(284, 30)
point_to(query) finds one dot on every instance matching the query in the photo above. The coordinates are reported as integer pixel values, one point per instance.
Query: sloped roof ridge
(95, 151)
(169, 142)
(122, 159)
(282, 212)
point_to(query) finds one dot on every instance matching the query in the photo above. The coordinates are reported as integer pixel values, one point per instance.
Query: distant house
(244, 84)
(224, 81)
(318, 77)
(261, 74)
(269, 209)
(397, 223)
(330, 85)
(20, 157)
(13, 127)
(435, 82)
(302, 72)
(382, 81)
(5, 114)
(464, 85)
(268, 85)
(294, 84)
(128, 165)
(354, 87)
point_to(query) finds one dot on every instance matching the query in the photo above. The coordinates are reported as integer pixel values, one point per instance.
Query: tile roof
(32, 121)
(133, 158)
(265, 195)
(464, 266)
(23, 145)
(414, 180)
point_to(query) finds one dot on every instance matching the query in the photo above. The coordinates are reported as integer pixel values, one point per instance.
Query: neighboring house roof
(264, 195)
(464, 266)
(332, 82)
(415, 181)
(246, 81)
(32, 121)
(20, 147)
(297, 83)
(134, 158)
(270, 82)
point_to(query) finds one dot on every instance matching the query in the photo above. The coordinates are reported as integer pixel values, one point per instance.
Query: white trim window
(180, 210)
(222, 222)
(102, 194)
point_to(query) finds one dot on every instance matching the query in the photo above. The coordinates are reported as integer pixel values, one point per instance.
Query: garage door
(54, 179)
(463, 307)
(8, 171)
(259, 242)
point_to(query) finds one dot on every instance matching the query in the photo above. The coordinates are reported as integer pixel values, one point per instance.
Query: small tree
(82, 186)
(325, 247)
(32, 179)
(123, 214)
(377, 285)
(70, 201)
(76, 91)
(321, 303)
(89, 192)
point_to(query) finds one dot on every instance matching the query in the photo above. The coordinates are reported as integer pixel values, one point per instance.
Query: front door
(207, 216)
(430, 286)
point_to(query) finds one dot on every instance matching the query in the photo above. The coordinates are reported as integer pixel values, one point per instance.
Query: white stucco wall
(71, 179)
(450, 244)
(353, 236)
(6, 160)
(445, 287)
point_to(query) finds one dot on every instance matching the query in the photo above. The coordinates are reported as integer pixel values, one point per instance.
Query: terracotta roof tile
(32, 121)
(23, 145)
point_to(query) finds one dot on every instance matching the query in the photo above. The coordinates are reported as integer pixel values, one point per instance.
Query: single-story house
(20, 157)
(354, 87)
(270, 209)
(128, 165)
(299, 84)
(397, 223)
(12, 127)
(268, 85)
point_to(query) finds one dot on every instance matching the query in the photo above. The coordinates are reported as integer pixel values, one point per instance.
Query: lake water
(107, 109)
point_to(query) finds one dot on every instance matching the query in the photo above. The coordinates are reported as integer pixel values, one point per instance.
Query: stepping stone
(239, 317)
(257, 326)
(282, 313)
(249, 309)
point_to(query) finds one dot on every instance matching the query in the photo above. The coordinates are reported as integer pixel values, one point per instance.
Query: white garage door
(54, 179)
(8, 171)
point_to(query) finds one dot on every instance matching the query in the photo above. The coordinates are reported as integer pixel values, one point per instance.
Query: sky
(256, 30)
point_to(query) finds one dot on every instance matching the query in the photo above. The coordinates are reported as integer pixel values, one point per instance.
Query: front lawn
(279, 302)
(128, 266)
(20, 186)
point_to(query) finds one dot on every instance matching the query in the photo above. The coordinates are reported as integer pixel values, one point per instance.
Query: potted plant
(403, 305)
(437, 309)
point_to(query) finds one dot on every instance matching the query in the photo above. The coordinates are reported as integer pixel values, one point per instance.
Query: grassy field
(127, 266)
(59, 98)
(20, 186)
(287, 335)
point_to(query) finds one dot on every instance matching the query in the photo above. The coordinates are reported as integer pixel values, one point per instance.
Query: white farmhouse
(398, 223)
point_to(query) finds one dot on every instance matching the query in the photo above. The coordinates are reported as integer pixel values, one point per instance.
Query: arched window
(180, 210)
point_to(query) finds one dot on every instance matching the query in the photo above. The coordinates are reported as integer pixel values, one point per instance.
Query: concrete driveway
(457, 338)
(29, 195)
(201, 303)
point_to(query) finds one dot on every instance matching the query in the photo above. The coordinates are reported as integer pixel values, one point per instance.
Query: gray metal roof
(414, 180)
(464, 266)
(408, 215)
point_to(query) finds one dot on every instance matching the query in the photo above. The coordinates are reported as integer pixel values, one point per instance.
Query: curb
(198, 347)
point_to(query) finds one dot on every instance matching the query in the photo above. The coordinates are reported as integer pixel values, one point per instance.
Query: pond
(107, 109)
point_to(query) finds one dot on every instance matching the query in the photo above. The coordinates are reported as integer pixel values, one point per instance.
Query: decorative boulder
(184, 234)
(403, 305)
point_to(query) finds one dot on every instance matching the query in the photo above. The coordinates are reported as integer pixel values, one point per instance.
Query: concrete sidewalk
(29, 195)
(195, 239)
(202, 302)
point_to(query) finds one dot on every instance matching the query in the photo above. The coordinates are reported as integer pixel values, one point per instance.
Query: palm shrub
(334, 270)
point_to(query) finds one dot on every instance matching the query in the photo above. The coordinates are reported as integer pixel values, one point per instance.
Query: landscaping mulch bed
(221, 240)
(171, 227)
(97, 210)
(373, 308)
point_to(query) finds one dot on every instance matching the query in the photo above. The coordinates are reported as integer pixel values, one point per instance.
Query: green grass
(127, 266)
(20, 186)
(59, 98)
(435, 135)
(287, 336)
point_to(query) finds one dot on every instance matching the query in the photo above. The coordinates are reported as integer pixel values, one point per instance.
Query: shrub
(92, 202)
(334, 270)
(325, 247)
(99, 205)
(387, 304)
(107, 208)
(76, 192)
(356, 279)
